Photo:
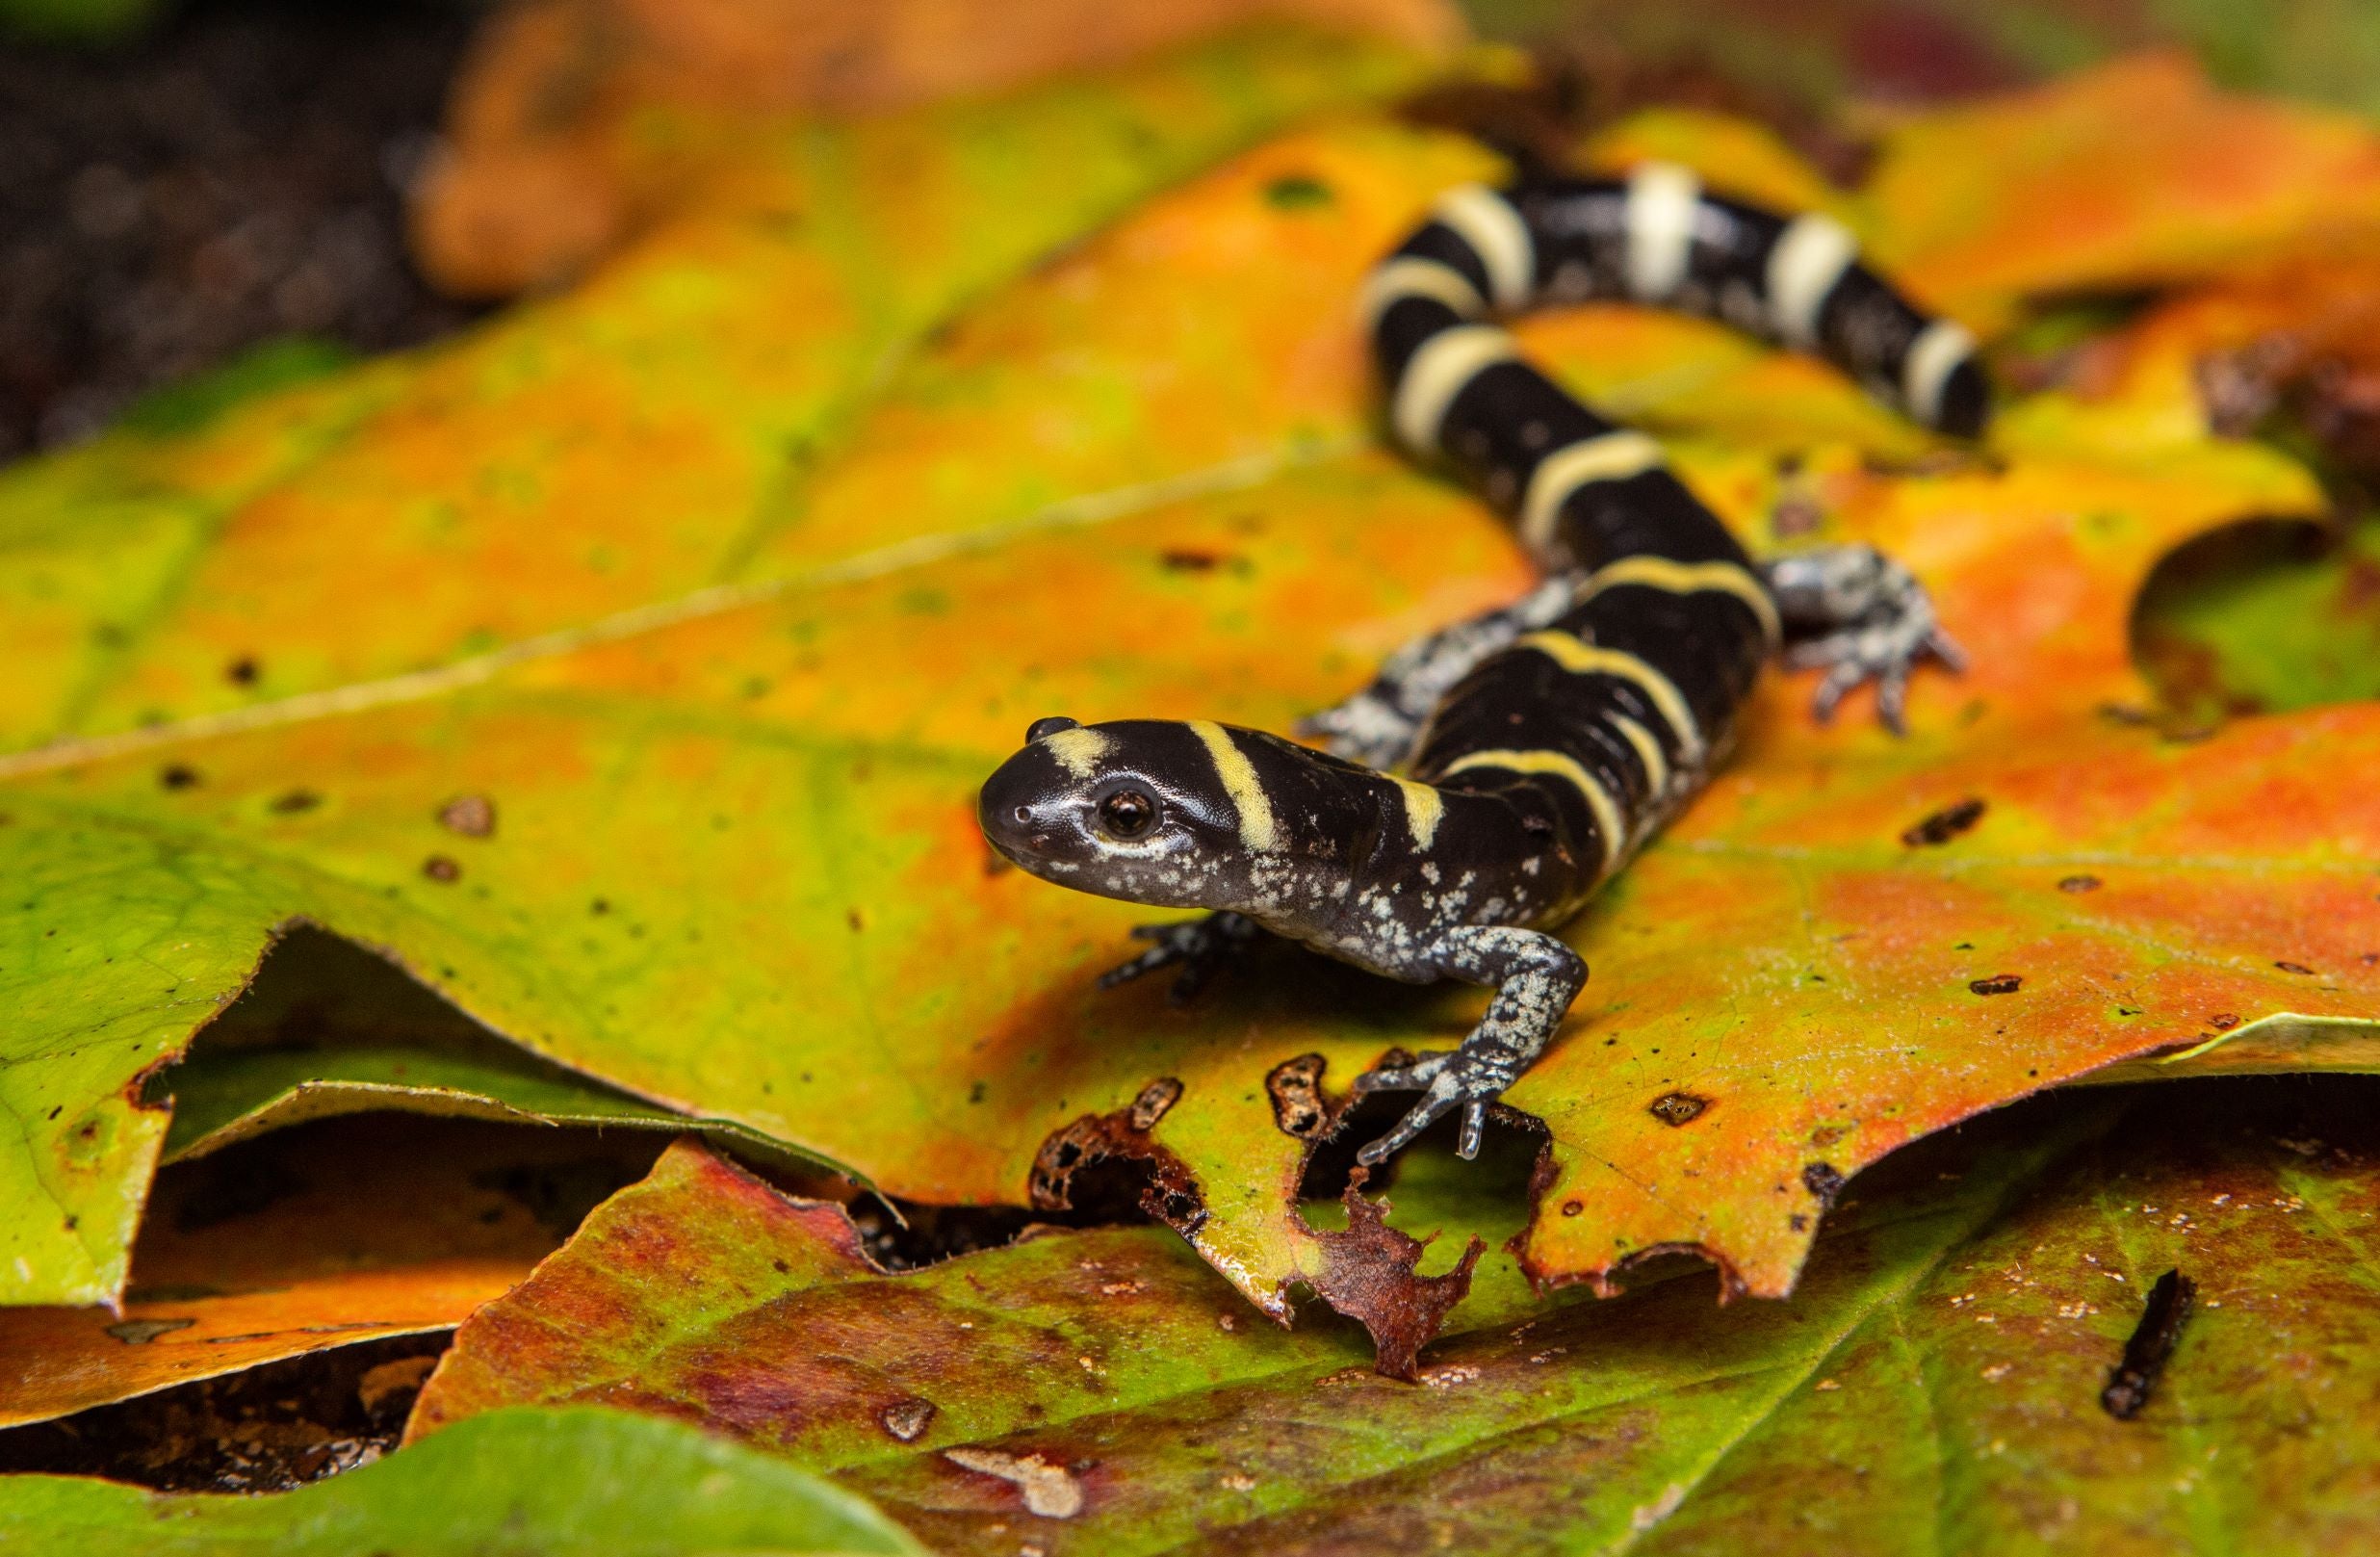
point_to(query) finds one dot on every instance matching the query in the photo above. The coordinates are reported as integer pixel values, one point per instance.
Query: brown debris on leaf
(1047, 1488)
(1167, 1190)
(1370, 1273)
(1299, 1106)
(472, 816)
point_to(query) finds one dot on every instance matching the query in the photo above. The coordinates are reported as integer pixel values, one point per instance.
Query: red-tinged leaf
(1940, 1369)
(320, 1237)
(738, 872)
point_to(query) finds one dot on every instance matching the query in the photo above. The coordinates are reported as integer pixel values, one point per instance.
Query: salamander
(1496, 773)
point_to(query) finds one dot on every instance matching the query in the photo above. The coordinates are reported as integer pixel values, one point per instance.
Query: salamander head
(1145, 809)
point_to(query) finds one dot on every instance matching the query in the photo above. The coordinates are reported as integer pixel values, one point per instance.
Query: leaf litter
(716, 718)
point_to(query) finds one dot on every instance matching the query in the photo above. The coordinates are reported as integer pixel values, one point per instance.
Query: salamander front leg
(1202, 947)
(1860, 616)
(1378, 725)
(1536, 977)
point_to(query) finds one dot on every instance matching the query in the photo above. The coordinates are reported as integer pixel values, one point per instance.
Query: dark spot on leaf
(2293, 967)
(1822, 1180)
(1188, 559)
(975, 1093)
(1996, 984)
(473, 815)
(295, 801)
(178, 776)
(1299, 1106)
(140, 1331)
(781, 1267)
(1296, 191)
(600, 905)
(1677, 1108)
(2079, 883)
(243, 671)
(439, 867)
(1572, 1207)
(906, 1419)
(1944, 824)
(1154, 1101)
(1796, 514)
(2223, 1021)
(853, 919)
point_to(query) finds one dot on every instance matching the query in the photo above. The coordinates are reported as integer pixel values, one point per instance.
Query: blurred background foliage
(237, 181)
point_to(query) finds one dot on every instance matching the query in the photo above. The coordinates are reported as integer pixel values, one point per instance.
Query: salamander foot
(1536, 977)
(1860, 616)
(1202, 947)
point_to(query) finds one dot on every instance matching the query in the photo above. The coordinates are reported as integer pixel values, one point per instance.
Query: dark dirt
(237, 179)
(264, 1430)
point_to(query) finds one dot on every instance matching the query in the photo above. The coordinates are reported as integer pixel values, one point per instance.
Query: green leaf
(531, 1482)
(394, 518)
(1939, 1370)
(328, 1029)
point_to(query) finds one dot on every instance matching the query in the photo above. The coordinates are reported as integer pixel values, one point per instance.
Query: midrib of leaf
(2361, 1245)
(1957, 1224)
(1926, 1378)
(1086, 511)
(1845, 858)
(208, 517)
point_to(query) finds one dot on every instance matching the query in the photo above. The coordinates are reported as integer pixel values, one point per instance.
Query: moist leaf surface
(1939, 1368)
(733, 869)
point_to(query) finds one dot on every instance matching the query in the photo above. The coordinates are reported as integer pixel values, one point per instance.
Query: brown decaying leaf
(576, 122)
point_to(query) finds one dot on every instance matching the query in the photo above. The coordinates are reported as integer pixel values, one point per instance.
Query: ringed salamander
(1499, 770)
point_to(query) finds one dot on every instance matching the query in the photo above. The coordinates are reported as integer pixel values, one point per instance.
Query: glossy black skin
(1578, 229)
(1548, 759)
(1343, 875)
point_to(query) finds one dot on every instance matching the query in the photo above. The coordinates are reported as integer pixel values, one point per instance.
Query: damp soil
(262, 1430)
(235, 180)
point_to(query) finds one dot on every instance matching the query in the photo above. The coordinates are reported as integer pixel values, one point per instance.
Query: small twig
(2151, 1344)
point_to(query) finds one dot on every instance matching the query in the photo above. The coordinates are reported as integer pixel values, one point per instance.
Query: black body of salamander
(1544, 743)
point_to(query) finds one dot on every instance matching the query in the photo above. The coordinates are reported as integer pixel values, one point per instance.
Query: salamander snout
(1106, 809)
(1027, 803)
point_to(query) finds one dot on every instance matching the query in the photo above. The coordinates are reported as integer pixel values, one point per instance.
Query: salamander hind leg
(1860, 616)
(1536, 977)
(1201, 947)
(1378, 725)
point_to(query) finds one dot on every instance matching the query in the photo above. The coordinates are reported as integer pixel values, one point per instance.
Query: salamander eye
(1127, 815)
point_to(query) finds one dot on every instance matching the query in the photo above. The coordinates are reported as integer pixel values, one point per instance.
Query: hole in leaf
(2262, 618)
